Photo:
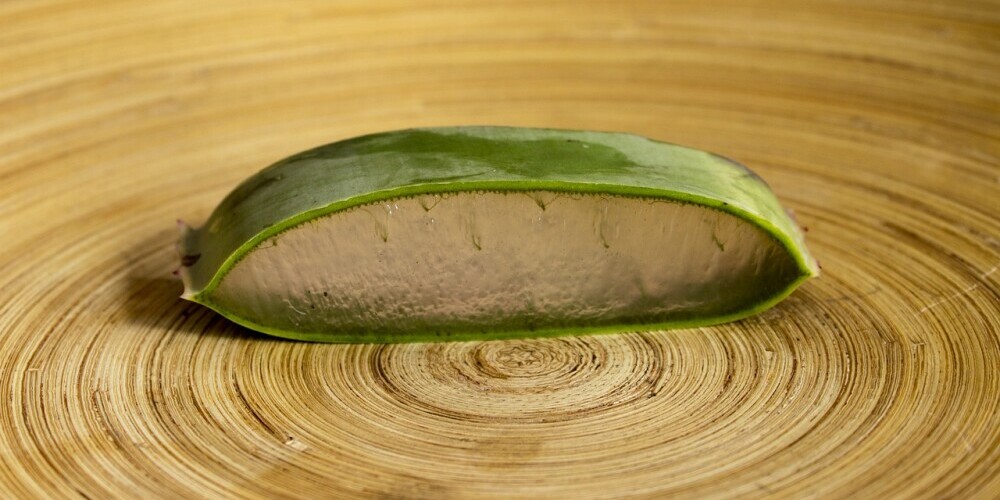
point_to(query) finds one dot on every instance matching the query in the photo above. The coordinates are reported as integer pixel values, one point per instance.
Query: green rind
(423, 155)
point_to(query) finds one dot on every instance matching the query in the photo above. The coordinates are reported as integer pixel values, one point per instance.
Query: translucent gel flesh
(494, 261)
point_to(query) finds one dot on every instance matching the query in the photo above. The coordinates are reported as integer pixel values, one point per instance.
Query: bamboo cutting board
(878, 122)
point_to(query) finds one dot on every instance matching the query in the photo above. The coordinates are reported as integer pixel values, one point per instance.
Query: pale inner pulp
(506, 261)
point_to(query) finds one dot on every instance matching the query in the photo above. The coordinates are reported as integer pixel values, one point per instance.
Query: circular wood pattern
(876, 121)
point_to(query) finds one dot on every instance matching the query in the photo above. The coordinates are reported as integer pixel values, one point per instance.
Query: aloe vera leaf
(493, 232)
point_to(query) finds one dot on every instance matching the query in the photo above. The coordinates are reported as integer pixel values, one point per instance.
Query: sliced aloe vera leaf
(493, 232)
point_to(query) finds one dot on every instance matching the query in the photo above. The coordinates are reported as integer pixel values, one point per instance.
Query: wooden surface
(877, 121)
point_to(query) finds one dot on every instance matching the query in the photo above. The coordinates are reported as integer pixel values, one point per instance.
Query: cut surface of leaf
(493, 232)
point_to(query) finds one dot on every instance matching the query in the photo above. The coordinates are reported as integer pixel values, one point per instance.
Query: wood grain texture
(877, 121)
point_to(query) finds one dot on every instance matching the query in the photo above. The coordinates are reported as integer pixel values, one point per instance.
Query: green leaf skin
(391, 165)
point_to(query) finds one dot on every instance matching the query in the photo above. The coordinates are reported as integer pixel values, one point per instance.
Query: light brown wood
(877, 121)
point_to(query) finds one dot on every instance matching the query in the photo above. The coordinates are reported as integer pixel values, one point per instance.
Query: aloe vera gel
(493, 232)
